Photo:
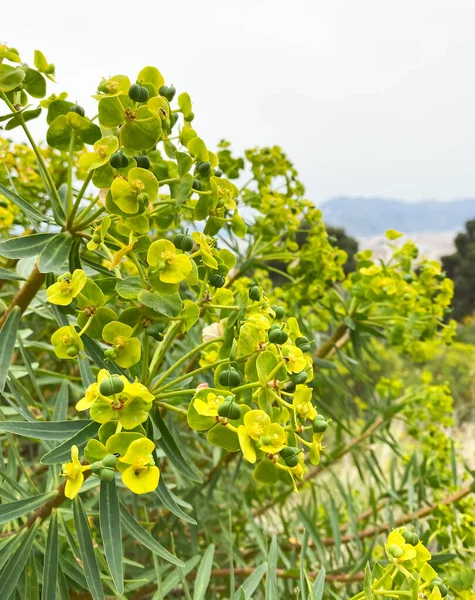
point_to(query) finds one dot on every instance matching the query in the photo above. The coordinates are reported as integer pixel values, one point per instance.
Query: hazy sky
(368, 97)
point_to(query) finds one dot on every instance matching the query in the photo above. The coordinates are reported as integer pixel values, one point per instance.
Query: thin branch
(25, 294)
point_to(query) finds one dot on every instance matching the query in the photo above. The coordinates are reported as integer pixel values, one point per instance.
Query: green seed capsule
(410, 537)
(142, 161)
(197, 185)
(118, 160)
(290, 456)
(319, 424)
(107, 474)
(183, 242)
(278, 336)
(77, 109)
(155, 331)
(111, 385)
(72, 351)
(305, 348)
(299, 377)
(229, 410)
(167, 92)
(301, 341)
(218, 172)
(204, 169)
(230, 378)
(138, 93)
(437, 581)
(96, 468)
(395, 551)
(143, 197)
(279, 311)
(96, 238)
(255, 293)
(444, 590)
(109, 461)
(217, 280)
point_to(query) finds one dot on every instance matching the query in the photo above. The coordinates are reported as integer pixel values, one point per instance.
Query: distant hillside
(373, 216)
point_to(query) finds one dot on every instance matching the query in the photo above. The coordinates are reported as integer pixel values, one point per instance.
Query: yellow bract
(140, 474)
(303, 406)
(269, 437)
(210, 407)
(173, 267)
(66, 288)
(73, 471)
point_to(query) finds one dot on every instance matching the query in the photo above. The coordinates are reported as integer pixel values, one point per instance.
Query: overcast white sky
(368, 97)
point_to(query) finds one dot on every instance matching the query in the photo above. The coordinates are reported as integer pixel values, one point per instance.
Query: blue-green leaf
(25, 206)
(141, 535)
(109, 516)
(204, 574)
(21, 508)
(170, 447)
(86, 550)
(45, 430)
(55, 253)
(25, 246)
(7, 343)
(14, 567)
(62, 452)
(50, 565)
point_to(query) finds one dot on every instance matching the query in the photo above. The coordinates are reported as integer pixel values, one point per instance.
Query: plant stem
(69, 206)
(79, 197)
(185, 358)
(162, 349)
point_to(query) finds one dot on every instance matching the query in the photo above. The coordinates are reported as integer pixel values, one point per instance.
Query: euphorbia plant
(159, 315)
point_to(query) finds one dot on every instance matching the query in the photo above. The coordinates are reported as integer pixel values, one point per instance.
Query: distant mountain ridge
(362, 216)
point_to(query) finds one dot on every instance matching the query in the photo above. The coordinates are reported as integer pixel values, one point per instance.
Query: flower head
(103, 150)
(126, 350)
(66, 342)
(173, 267)
(208, 406)
(294, 358)
(258, 432)
(66, 288)
(303, 406)
(130, 407)
(73, 471)
(139, 472)
(128, 193)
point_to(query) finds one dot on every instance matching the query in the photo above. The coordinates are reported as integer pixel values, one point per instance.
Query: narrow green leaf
(62, 452)
(21, 508)
(7, 343)
(204, 574)
(25, 246)
(250, 584)
(25, 206)
(45, 430)
(140, 534)
(109, 516)
(50, 565)
(61, 404)
(14, 568)
(167, 500)
(368, 580)
(170, 447)
(6, 275)
(55, 253)
(86, 550)
(272, 590)
(319, 585)
(303, 552)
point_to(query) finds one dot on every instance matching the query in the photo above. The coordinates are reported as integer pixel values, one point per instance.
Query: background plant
(138, 284)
